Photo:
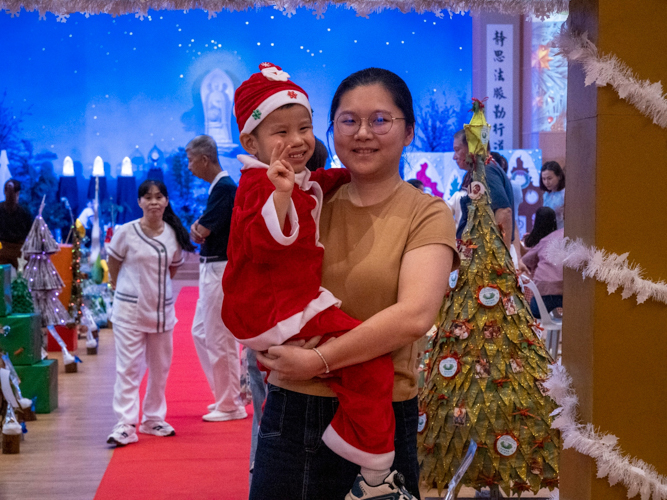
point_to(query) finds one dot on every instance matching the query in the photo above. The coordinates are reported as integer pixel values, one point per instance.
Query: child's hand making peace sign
(280, 171)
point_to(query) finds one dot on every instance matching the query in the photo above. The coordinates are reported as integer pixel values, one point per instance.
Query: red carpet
(204, 460)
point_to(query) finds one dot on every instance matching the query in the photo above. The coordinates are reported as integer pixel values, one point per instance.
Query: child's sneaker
(392, 488)
(123, 434)
(161, 429)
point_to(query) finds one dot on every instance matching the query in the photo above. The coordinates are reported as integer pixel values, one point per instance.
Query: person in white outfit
(216, 347)
(143, 257)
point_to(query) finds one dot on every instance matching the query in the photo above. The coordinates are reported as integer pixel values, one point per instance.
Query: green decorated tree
(76, 297)
(21, 296)
(487, 364)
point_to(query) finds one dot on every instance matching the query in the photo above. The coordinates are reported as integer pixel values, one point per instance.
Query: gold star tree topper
(478, 130)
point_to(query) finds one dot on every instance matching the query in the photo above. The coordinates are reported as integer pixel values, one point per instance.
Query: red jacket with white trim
(272, 281)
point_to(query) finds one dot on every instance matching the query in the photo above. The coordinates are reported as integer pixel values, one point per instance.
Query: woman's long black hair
(545, 224)
(169, 216)
(555, 167)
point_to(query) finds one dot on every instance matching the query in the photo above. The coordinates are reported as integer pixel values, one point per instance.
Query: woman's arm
(422, 285)
(178, 260)
(114, 268)
(531, 259)
(504, 219)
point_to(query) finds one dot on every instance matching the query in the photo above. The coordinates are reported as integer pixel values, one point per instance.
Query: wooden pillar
(614, 349)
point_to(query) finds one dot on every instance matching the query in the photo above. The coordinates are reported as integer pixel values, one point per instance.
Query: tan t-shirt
(364, 248)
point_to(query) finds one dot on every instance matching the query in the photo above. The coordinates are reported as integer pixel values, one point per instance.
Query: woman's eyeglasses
(379, 122)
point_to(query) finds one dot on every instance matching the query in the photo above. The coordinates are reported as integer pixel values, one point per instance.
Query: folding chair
(552, 325)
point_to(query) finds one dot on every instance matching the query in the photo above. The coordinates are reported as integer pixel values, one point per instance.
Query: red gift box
(69, 336)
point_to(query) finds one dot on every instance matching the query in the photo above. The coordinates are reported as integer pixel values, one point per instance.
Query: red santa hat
(263, 93)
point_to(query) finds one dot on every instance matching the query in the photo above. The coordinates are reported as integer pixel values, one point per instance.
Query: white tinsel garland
(607, 69)
(610, 268)
(635, 474)
(538, 8)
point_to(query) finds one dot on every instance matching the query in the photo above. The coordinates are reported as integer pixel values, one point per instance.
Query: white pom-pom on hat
(273, 72)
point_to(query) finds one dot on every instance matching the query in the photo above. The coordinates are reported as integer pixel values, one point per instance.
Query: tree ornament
(488, 296)
(478, 130)
(476, 190)
(461, 329)
(506, 445)
(465, 248)
(449, 367)
(421, 423)
(453, 279)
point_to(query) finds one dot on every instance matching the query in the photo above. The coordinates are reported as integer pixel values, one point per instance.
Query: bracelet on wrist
(326, 365)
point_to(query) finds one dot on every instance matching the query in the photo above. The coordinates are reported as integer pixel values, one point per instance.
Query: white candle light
(68, 167)
(126, 167)
(98, 167)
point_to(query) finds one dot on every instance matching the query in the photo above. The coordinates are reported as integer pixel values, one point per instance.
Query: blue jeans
(258, 391)
(551, 301)
(292, 462)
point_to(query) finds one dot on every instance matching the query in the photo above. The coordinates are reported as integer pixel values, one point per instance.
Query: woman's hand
(523, 269)
(292, 362)
(114, 268)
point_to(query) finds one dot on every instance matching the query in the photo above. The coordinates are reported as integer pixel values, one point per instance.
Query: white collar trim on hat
(287, 96)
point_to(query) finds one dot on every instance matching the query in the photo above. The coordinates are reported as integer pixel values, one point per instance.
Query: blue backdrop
(115, 87)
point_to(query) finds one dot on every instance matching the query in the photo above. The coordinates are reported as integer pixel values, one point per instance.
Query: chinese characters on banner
(499, 84)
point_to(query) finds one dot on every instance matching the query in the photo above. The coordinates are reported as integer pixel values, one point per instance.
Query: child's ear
(249, 143)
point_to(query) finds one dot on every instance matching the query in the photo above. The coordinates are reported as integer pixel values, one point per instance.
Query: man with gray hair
(216, 347)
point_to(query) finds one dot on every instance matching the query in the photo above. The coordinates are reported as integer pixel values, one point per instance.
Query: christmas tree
(43, 280)
(487, 364)
(21, 297)
(76, 297)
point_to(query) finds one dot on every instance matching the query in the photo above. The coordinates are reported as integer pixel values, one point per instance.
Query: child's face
(292, 126)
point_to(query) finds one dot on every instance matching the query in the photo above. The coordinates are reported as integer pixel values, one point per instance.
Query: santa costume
(272, 283)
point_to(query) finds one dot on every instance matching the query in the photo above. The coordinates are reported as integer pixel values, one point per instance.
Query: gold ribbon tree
(487, 364)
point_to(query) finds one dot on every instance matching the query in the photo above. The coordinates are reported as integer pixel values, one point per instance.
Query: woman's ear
(249, 143)
(409, 135)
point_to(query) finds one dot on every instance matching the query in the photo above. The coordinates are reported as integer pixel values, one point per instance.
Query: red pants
(362, 430)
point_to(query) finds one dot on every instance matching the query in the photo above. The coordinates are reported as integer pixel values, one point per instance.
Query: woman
(143, 257)
(389, 252)
(552, 182)
(547, 276)
(15, 223)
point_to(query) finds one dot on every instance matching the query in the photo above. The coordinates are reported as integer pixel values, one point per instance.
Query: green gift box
(23, 338)
(40, 381)
(6, 284)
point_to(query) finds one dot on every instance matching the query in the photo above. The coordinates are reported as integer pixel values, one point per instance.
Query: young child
(272, 283)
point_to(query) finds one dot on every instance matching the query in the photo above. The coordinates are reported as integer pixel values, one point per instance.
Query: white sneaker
(161, 429)
(211, 407)
(392, 488)
(123, 434)
(223, 416)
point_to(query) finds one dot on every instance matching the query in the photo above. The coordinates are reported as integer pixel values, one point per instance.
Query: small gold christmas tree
(487, 364)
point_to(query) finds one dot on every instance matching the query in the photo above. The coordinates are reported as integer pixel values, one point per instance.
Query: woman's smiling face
(365, 153)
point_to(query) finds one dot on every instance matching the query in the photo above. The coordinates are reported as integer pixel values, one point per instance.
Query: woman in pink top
(547, 276)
